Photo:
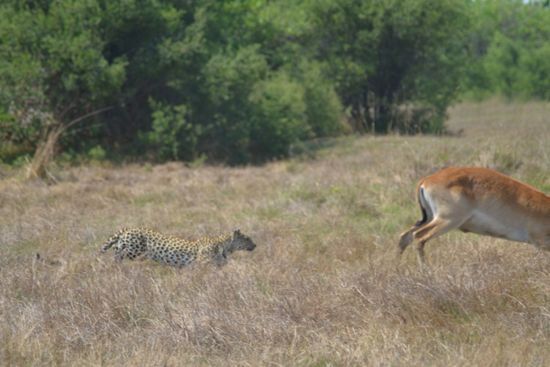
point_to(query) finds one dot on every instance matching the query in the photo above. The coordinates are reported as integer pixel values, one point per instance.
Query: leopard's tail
(112, 240)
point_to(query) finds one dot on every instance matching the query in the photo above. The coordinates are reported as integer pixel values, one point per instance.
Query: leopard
(133, 243)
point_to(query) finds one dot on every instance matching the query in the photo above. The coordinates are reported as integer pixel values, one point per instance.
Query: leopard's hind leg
(110, 242)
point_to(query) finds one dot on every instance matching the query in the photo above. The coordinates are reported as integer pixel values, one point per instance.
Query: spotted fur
(143, 242)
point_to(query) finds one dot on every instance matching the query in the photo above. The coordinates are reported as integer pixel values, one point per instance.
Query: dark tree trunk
(383, 118)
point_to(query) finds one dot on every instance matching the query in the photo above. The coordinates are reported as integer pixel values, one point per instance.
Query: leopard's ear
(236, 232)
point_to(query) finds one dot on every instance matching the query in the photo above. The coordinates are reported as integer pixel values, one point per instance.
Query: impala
(482, 201)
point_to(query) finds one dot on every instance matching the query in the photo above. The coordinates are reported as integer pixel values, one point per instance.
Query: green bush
(97, 153)
(172, 136)
(323, 108)
(230, 77)
(16, 139)
(239, 81)
(279, 118)
(509, 50)
(382, 55)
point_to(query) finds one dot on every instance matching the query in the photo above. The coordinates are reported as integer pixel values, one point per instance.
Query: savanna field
(322, 288)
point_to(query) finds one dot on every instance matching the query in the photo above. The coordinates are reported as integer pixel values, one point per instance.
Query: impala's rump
(427, 212)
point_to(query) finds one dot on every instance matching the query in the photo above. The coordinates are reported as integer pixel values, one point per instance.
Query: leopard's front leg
(220, 257)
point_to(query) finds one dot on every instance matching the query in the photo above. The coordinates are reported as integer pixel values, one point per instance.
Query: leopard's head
(241, 241)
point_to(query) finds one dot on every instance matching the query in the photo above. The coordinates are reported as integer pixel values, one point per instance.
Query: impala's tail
(427, 213)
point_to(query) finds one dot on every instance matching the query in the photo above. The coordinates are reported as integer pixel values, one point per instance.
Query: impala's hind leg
(409, 236)
(405, 239)
(435, 228)
(427, 214)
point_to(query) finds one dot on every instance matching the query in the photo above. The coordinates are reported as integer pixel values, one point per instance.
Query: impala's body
(482, 201)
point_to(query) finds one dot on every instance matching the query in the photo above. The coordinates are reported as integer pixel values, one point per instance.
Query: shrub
(279, 117)
(323, 108)
(172, 137)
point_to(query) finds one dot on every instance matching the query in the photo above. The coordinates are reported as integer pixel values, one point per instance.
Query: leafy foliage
(171, 135)
(510, 50)
(280, 115)
(386, 54)
(53, 72)
(240, 81)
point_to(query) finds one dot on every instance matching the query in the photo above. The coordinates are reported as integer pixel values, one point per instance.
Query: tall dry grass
(321, 289)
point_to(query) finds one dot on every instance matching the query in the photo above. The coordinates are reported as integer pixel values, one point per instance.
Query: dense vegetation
(240, 81)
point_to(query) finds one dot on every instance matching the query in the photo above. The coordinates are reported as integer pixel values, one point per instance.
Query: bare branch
(69, 107)
(93, 113)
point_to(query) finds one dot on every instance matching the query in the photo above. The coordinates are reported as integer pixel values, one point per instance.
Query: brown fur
(482, 201)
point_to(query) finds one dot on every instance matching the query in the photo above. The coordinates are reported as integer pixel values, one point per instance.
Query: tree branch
(93, 113)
